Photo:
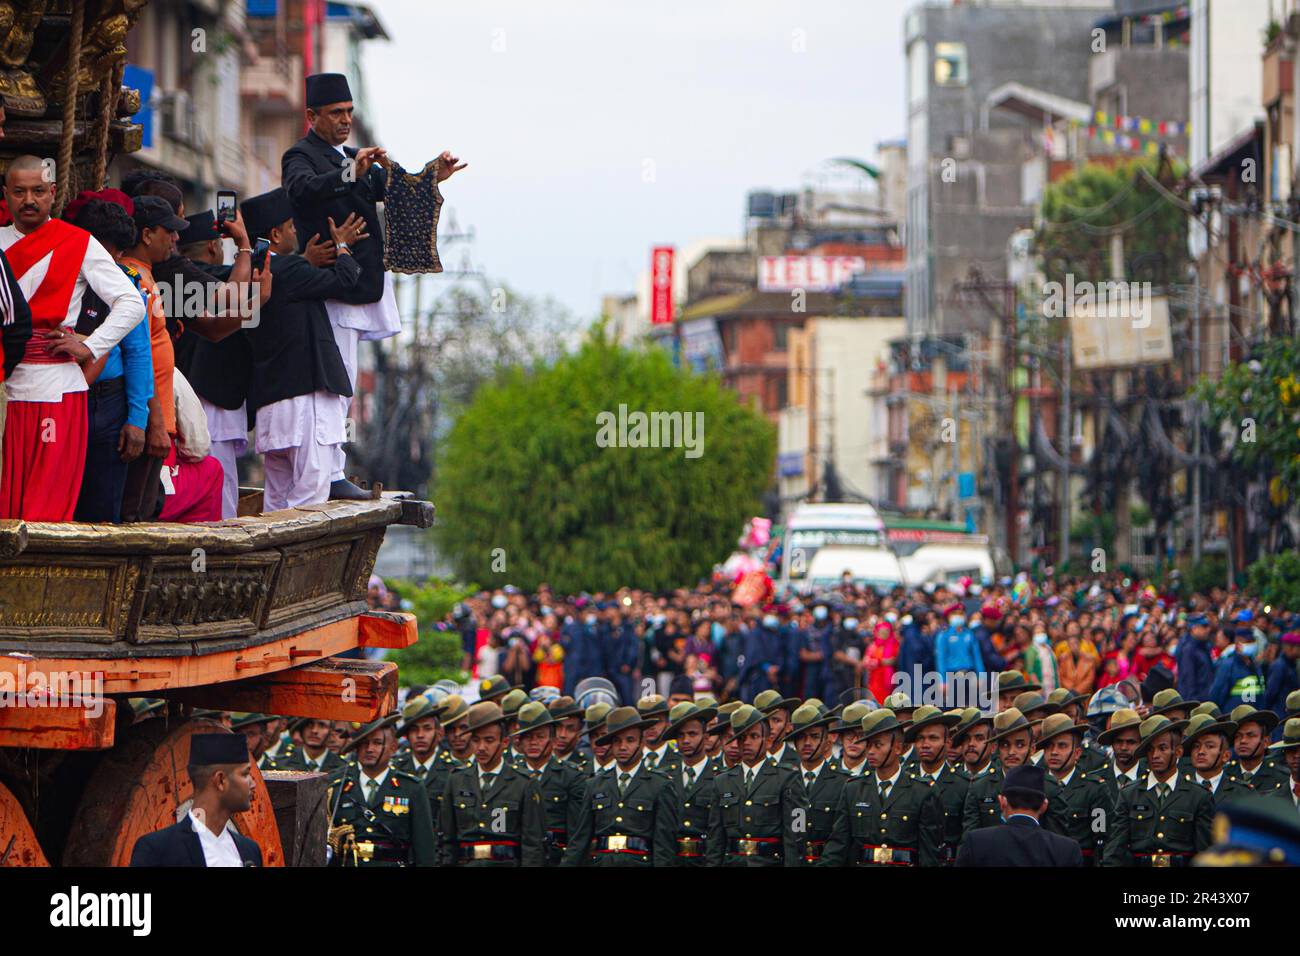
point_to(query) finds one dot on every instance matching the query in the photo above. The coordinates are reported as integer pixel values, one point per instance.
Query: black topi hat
(263, 213)
(326, 88)
(209, 749)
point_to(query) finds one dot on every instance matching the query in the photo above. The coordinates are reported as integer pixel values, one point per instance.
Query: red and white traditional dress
(45, 436)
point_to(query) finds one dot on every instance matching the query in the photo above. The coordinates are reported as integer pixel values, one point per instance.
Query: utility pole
(1196, 417)
(1065, 447)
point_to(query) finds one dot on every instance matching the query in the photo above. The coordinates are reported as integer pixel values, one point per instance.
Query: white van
(877, 568)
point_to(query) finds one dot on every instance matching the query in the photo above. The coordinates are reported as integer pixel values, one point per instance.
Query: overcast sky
(563, 107)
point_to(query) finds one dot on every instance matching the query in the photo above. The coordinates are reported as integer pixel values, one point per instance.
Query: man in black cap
(298, 374)
(325, 179)
(1021, 840)
(222, 773)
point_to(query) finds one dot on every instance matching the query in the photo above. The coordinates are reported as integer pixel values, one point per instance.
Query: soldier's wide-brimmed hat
(1153, 727)
(593, 718)
(1014, 681)
(1203, 724)
(140, 706)
(484, 713)
(1167, 700)
(769, 700)
(1245, 714)
(1290, 736)
(562, 708)
(1120, 721)
(927, 716)
(685, 711)
(511, 701)
(1063, 697)
(900, 704)
(1207, 707)
(533, 716)
(1009, 722)
(1293, 704)
(851, 694)
(418, 708)
(653, 707)
(494, 687)
(808, 716)
(1055, 725)
(880, 721)
(1034, 705)
(850, 717)
(239, 720)
(723, 723)
(970, 717)
(454, 710)
(742, 718)
(619, 720)
(366, 730)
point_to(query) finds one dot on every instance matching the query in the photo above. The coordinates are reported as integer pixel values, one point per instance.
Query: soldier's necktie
(808, 778)
(1207, 785)
(749, 778)
(486, 782)
(690, 775)
(623, 779)
(1247, 776)
(1162, 791)
(885, 787)
(371, 787)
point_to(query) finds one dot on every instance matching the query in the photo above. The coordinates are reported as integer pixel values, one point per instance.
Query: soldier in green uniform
(258, 731)
(890, 816)
(777, 710)
(1170, 703)
(493, 688)
(688, 725)
(380, 816)
(491, 812)
(1036, 708)
(928, 733)
(955, 747)
(313, 756)
(1254, 766)
(593, 727)
(567, 714)
(1075, 706)
(510, 702)
(853, 746)
(659, 754)
(903, 709)
(1288, 797)
(971, 736)
(1083, 806)
(455, 724)
(1013, 737)
(561, 784)
(727, 752)
(419, 725)
(1123, 735)
(1165, 819)
(629, 813)
(822, 784)
(1209, 741)
(753, 818)
(1011, 684)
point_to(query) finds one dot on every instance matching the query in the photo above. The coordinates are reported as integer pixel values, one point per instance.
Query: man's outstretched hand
(450, 165)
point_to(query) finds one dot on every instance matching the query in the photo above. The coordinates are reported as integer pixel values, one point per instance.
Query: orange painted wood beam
(336, 689)
(391, 629)
(86, 726)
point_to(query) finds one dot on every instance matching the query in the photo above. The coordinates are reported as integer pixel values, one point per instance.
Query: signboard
(661, 285)
(810, 273)
(1117, 335)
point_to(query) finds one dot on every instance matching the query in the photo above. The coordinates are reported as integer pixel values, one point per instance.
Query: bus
(812, 527)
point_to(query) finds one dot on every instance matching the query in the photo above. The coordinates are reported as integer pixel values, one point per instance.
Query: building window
(781, 392)
(950, 64)
(780, 336)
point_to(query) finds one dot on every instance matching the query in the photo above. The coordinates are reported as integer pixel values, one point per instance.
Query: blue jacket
(915, 648)
(956, 649)
(993, 661)
(1282, 679)
(1195, 669)
(763, 648)
(1237, 681)
(584, 653)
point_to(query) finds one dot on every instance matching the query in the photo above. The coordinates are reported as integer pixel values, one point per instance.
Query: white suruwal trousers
(228, 430)
(298, 439)
(352, 325)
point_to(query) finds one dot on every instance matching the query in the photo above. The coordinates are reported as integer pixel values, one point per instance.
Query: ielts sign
(661, 285)
(810, 273)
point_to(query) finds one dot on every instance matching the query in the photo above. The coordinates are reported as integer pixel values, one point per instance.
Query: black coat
(294, 352)
(218, 371)
(312, 173)
(178, 845)
(1020, 842)
(15, 318)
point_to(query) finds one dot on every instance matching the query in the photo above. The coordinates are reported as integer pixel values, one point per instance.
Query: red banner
(661, 284)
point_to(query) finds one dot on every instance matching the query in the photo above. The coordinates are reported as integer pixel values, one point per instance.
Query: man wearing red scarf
(54, 263)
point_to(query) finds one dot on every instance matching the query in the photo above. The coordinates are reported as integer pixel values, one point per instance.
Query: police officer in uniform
(889, 817)
(510, 702)
(1083, 805)
(1165, 819)
(561, 784)
(822, 785)
(928, 733)
(380, 815)
(455, 713)
(491, 812)
(688, 726)
(1288, 746)
(752, 821)
(629, 813)
(1209, 742)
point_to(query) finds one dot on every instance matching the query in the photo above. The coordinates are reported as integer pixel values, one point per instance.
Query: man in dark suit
(1021, 840)
(326, 180)
(222, 772)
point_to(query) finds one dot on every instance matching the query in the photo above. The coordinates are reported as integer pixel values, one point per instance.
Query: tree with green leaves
(546, 478)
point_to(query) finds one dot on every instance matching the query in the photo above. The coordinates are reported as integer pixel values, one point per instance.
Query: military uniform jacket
(562, 788)
(502, 827)
(395, 828)
(1229, 788)
(1267, 778)
(332, 763)
(951, 786)
(1112, 782)
(907, 824)
(1143, 824)
(669, 762)
(694, 804)
(981, 808)
(823, 800)
(637, 827)
(579, 761)
(1092, 758)
(1082, 810)
(789, 757)
(764, 814)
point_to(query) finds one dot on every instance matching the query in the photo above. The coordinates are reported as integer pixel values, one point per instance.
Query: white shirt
(619, 771)
(495, 771)
(49, 383)
(1065, 781)
(428, 764)
(315, 763)
(371, 785)
(857, 771)
(1212, 781)
(698, 767)
(658, 753)
(218, 849)
(1131, 773)
(815, 771)
(1153, 782)
(777, 755)
(881, 784)
(225, 424)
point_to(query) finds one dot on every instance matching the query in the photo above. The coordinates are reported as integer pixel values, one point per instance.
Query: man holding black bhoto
(325, 179)
(222, 773)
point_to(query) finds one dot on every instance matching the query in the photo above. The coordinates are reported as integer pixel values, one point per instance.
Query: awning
(1037, 105)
